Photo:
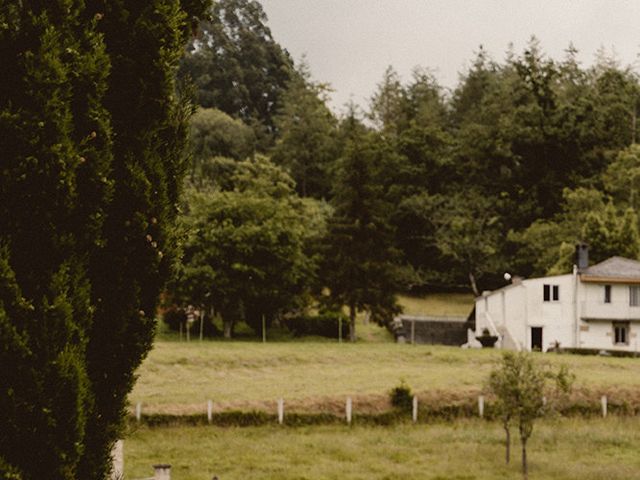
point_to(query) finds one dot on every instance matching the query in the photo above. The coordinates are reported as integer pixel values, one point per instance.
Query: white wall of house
(599, 318)
(515, 309)
(579, 317)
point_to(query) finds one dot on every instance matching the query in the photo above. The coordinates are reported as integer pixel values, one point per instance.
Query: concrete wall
(434, 331)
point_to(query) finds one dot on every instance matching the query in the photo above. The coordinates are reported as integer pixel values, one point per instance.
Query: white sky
(349, 43)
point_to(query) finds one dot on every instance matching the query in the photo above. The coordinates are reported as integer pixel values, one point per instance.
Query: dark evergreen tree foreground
(91, 135)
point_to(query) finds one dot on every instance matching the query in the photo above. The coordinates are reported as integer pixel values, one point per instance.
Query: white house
(596, 307)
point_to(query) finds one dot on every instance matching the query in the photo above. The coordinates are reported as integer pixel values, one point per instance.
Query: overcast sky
(349, 43)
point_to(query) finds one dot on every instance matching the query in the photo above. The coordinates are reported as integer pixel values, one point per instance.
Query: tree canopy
(237, 66)
(248, 247)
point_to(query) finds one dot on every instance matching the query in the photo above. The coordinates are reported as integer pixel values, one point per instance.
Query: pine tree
(360, 268)
(306, 127)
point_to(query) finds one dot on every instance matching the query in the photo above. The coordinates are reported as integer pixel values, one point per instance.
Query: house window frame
(621, 332)
(550, 292)
(634, 295)
(607, 294)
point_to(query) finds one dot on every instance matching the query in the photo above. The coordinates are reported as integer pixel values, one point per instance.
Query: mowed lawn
(566, 449)
(235, 374)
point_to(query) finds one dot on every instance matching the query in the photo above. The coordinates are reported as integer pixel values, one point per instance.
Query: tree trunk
(525, 469)
(474, 286)
(352, 323)
(507, 443)
(228, 328)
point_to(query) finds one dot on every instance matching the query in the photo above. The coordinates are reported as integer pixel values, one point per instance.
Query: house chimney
(582, 256)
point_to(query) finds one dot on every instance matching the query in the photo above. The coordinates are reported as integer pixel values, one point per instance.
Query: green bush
(324, 325)
(401, 396)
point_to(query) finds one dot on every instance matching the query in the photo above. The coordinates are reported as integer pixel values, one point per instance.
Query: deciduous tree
(248, 250)
(238, 67)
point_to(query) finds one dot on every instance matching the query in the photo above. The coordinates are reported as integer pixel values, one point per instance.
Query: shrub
(401, 396)
(324, 325)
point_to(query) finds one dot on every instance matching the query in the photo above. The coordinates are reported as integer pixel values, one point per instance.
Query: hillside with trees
(427, 188)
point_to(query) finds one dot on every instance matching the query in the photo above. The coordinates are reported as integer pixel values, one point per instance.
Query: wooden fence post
(138, 411)
(413, 332)
(603, 403)
(280, 411)
(162, 472)
(414, 412)
(209, 411)
(117, 457)
(348, 410)
(481, 406)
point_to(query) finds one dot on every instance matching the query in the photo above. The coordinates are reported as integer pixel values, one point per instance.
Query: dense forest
(288, 204)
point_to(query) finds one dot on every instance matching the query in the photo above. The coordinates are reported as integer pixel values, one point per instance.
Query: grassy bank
(437, 304)
(469, 450)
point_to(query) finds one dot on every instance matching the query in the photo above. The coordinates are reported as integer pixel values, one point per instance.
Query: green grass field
(465, 450)
(179, 377)
(315, 375)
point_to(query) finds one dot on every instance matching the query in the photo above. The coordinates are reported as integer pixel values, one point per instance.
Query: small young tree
(521, 386)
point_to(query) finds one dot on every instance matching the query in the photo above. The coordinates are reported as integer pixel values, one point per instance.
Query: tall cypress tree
(91, 135)
(54, 139)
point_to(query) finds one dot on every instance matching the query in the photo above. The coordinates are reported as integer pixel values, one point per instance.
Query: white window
(634, 295)
(550, 293)
(621, 333)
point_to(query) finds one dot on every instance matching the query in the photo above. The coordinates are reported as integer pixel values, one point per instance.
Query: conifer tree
(307, 129)
(91, 134)
(360, 261)
(55, 144)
